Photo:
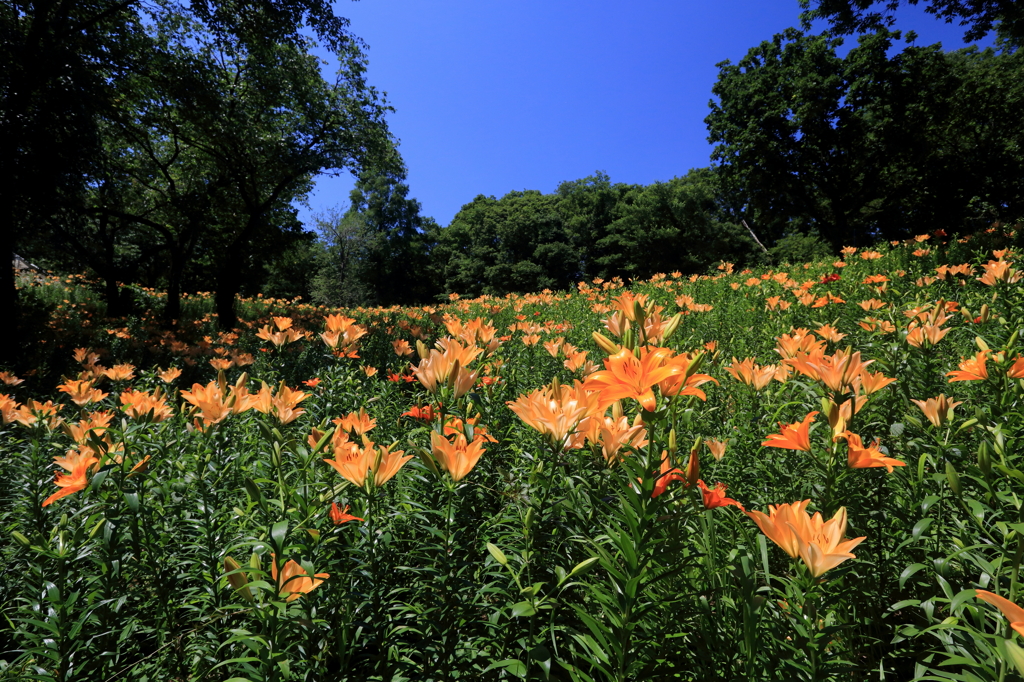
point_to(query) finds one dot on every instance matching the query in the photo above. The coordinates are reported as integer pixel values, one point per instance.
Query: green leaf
(514, 667)
(909, 571)
(1015, 655)
(279, 533)
(523, 608)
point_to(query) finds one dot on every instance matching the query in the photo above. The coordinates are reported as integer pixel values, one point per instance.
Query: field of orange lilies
(804, 473)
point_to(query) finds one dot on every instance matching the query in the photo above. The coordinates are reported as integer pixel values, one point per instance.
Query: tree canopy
(188, 126)
(979, 17)
(869, 145)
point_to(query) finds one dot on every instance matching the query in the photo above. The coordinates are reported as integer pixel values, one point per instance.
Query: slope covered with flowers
(809, 472)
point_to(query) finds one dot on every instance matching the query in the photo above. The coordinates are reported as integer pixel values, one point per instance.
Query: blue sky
(491, 97)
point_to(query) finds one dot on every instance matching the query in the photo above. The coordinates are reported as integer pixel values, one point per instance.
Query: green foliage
(870, 145)
(800, 248)
(547, 561)
(216, 119)
(980, 18)
(529, 241)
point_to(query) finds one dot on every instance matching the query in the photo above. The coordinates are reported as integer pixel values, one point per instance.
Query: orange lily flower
(123, 372)
(82, 392)
(340, 516)
(717, 448)
(1016, 370)
(293, 581)
(556, 411)
(872, 382)
(77, 462)
(840, 371)
(860, 457)
(169, 375)
(925, 336)
(938, 410)
(971, 369)
(1013, 613)
(819, 543)
(749, 373)
(356, 423)
(34, 411)
(830, 333)
(425, 412)
(283, 406)
(401, 347)
(10, 379)
(999, 271)
(794, 436)
(142, 405)
(360, 465)
(800, 341)
(715, 497)
(447, 364)
(666, 475)
(613, 433)
(8, 409)
(459, 457)
(626, 376)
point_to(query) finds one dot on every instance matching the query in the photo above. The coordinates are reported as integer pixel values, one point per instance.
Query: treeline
(525, 241)
(167, 144)
(813, 151)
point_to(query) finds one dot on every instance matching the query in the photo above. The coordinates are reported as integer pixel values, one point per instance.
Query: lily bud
(237, 579)
(671, 326)
(639, 314)
(693, 465)
(985, 313)
(606, 344)
(984, 458)
(629, 338)
(422, 350)
(953, 478)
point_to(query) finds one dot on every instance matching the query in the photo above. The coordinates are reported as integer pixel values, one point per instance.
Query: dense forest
(165, 144)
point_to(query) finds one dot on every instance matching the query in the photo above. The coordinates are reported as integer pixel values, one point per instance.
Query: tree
(339, 279)
(66, 66)
(394, 258)
(497, 246)
(215, 140)
(979, 17)
(868, 146)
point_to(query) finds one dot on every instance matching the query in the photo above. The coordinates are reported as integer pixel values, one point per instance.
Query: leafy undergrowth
(488, 489)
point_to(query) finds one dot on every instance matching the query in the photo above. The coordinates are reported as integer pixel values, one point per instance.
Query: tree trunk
(9, 299)
(224, 298)
(172, 308)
